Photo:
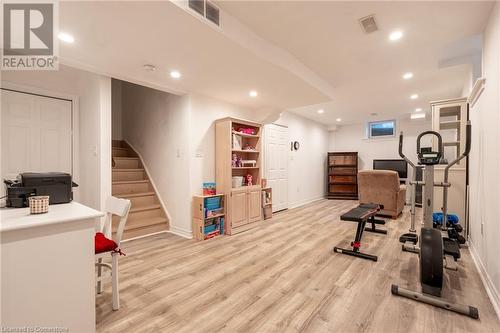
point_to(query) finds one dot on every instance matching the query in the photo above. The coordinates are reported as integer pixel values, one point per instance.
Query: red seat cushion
(103, 244)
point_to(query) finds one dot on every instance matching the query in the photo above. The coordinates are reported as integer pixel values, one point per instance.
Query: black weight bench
(364, 213)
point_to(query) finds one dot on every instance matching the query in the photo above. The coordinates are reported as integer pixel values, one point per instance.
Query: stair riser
(143, 201)
(118, 144)
(127, 164)
(128, 175)
(131, 188)
(120, 153)
(139, 219)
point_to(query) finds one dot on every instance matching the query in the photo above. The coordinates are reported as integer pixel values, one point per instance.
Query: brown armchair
(382, 187)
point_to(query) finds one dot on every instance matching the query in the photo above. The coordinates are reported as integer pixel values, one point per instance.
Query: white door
(36, 134)
(276, 164)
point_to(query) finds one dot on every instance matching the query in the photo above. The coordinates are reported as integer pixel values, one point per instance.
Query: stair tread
(125, 157)
(151, 221)
(120, 182)
(126, 170)
(135, 195)
(145, 207)
(120, 148)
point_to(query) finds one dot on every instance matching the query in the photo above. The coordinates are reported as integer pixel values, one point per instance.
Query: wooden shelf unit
(202, 222)
(244, 204)
(267, 202)
(342, 178)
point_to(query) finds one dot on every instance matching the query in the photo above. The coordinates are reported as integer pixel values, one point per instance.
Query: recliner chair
(382, 187)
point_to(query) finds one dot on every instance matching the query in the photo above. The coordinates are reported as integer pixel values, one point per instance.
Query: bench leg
(356, 245)
(373, 229)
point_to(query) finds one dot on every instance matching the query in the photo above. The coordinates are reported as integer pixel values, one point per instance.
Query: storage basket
(237, 181)
(39, 204)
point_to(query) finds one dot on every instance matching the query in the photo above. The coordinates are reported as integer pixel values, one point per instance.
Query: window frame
(371, 123)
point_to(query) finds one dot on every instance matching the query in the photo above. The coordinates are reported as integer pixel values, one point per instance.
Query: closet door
(36, 134)
(254, 205)
(276, 164)
(239, 208)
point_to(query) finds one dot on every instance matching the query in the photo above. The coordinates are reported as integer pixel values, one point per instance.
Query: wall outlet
(198, 154)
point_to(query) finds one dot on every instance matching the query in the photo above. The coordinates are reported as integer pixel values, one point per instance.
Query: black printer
(57, 185)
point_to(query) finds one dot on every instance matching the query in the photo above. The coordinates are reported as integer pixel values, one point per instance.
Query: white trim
(162, 203)
(492, 292)
(476, 91)
(305, 202)
(75, 122)
(181, 232)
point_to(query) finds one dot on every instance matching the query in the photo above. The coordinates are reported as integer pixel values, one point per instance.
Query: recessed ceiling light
(175, 74)
(407, 76)
(252, 93)
(418, 109)
(149, 68)
(414, 96)
(395, 35)
(321, 111)
(338, 119)
(417, 115)
(65, 37)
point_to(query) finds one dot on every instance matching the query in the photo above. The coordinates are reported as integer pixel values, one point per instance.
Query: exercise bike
(433, 248)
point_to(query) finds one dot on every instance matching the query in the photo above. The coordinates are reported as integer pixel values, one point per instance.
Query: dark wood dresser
(342, 179)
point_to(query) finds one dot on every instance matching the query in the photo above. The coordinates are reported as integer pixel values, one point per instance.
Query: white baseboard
(492, 292)
(181, 232)
(305, 202)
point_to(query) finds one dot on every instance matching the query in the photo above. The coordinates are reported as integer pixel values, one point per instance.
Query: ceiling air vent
(212, 13)
(368, 24)
(198, 6)
(206, 9)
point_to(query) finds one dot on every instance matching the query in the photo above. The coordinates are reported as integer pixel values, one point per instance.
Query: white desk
(47, 267)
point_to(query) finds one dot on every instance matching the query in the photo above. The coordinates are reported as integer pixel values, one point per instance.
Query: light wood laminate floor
(284, 277)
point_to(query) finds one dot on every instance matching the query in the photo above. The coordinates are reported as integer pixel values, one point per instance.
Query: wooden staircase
(130, 181)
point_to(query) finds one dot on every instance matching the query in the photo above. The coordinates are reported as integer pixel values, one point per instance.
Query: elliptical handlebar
(403, 156)
(436, 134)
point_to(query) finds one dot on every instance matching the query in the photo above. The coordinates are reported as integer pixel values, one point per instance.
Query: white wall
(307, 166)
(204, 111)
(353, 138)
(92, 93)
(156, 124)
(116, 109)
(485, 165)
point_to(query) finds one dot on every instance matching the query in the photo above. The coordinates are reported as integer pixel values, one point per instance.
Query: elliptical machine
(433, 247)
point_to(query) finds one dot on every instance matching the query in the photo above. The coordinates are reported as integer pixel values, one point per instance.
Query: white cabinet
(449, 118)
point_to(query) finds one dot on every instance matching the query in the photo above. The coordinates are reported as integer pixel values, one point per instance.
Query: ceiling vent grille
(368, 24)
(206, 9)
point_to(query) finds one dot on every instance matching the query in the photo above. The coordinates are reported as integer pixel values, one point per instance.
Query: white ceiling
(118, 38)
(344, 71)
(366, 70)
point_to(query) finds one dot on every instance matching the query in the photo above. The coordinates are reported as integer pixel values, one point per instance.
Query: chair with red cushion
(106, 246)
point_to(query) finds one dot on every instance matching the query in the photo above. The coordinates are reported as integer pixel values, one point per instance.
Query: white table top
(20, 218)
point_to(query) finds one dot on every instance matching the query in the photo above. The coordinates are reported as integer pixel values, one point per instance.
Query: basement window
(382, 129)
